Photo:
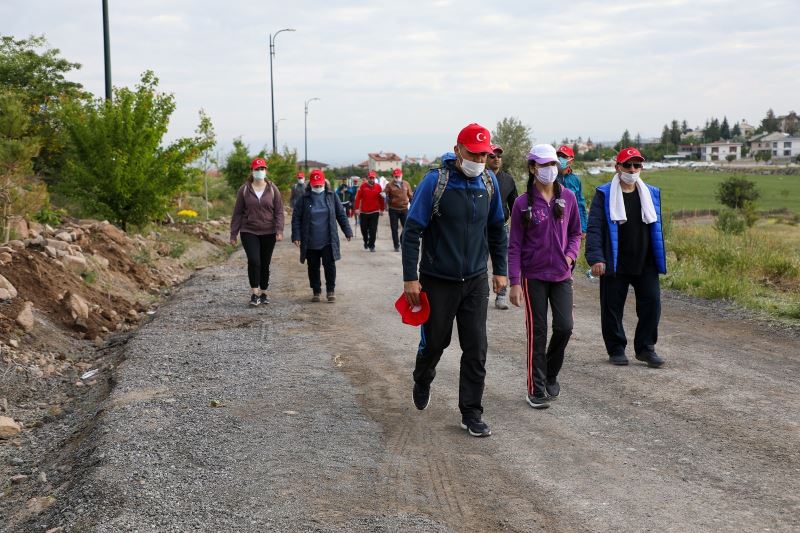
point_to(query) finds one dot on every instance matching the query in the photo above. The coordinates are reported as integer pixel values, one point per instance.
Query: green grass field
(687, 190)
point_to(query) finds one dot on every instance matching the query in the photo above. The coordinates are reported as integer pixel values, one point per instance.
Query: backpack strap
(441, 185)
(489, 184)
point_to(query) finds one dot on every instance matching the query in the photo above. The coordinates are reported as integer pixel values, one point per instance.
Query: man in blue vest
(625, 247)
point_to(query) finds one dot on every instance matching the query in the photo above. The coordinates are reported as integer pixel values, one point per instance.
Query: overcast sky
(405, 76)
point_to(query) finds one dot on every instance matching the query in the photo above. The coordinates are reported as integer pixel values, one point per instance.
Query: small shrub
(89, 277)
(176, 249)
(53, 217)
(730, 222)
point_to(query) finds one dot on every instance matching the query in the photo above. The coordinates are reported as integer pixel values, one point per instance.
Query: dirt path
(318, 431)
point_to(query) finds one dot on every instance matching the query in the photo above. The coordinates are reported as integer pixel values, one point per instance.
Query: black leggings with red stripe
(544, 362)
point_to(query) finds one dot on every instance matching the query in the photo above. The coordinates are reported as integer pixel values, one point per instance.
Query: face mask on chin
(630, 179)
(318, 189)
(546, 175)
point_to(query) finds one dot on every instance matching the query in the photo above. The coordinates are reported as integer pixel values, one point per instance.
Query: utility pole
(107, 50)
(272, 87)
(305, 133)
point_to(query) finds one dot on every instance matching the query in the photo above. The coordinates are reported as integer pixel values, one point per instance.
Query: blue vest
(656, 232)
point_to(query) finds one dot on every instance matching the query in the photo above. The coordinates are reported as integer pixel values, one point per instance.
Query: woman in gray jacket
(258, 217)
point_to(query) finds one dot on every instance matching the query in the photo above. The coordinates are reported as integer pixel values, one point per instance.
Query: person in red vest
(369, 206)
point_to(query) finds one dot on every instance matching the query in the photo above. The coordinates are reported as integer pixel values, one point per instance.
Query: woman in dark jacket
(314, 231)
(258, 217)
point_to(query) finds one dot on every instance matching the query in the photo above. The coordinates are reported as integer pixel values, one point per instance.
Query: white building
(768, 142)
(384, 161)
(720, 151)
(788, 147)
(746, 129)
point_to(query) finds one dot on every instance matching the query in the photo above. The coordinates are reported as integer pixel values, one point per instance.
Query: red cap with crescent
(476, 139)
(628, 153)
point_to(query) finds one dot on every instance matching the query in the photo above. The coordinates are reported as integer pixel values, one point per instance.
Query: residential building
(747, 129)
(422, 160)
(788, 147)
(383, 161)
(767, 142)
(720, 151)
(311, 164)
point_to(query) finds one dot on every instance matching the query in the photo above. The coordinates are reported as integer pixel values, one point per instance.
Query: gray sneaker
(501, 302)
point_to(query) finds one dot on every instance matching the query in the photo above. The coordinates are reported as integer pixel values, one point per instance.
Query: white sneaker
(501, 303)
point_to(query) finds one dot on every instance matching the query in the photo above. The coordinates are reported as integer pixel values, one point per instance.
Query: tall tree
(117, 164)
(725, 129)
(712, 132)
(624, 142)
(791, 124)
(237, 164)
(666, 139)
(770, 122)
(675, 133)
(515, 138)
(684, 127)
(736, 131)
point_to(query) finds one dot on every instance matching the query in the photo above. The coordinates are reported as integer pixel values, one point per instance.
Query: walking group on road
(461, 214)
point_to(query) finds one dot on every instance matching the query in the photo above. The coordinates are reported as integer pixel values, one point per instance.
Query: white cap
(542, 153)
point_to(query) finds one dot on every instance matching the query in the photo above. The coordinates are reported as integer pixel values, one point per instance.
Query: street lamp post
(271, 87)
(107, 50)
(305, 133)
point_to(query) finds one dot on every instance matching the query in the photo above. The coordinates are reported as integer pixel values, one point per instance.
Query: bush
(737, 192)
(730, 222)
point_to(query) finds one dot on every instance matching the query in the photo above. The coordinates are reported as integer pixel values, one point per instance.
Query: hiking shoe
(540, 400)
(501, 303)
(476, 427)
(396, 248)
(331, 297)
(263, 299)
(553, 388)
(366, 247)
(372, 249)
(422, 396)
(652, 359)
(254, 300)
(618, 359)
(315, 298)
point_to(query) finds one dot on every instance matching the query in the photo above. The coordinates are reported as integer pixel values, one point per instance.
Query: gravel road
(316, 430)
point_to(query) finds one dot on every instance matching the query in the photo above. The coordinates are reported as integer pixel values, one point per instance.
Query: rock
(55, 530)
(42, 477)
(76, 263)
(35, 227)
(52, 252)
(5, 295)
(5, 284)
(100, 260)
(58, 245)
(5, 257)
(76, 305)
(14, 343)
(64, 236)
(15, 461)
(62, 253)
(4, 405)
(25, 317)
(37, 505)
(8, 428)
(19, 227)
(37, 240)
(16, 244)
(19, 478)
(112, 231)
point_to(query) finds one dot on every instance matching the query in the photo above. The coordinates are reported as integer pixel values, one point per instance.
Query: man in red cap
(625, 246)
(398, 195)
(571, 181)
(369, 205)
(298, 189)
(508, 193)
(458, 214)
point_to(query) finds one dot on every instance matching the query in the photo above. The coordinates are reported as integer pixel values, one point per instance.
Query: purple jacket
(539, 251)
(257, 216)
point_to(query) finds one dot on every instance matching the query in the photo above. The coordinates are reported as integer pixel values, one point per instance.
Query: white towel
(617, 204)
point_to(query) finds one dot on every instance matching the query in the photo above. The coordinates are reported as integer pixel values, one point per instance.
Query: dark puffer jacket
(301, 222)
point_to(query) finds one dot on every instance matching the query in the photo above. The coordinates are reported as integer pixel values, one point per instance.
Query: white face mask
(398, 180)
(318, 189)
(301, 181)
(547, 175)
(630, 179)
(259, 175)
(471, 169)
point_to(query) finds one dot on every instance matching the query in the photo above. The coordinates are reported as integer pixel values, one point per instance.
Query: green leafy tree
(769, 123)
(20, 193)
(237, 164)
(624, 142)
(117, 165)
(725, 129)
(736, 131)
(666, 140)
(675, 133)
(684, 127)
(515, 138)
(38, 74)
(198, 174)
(282, 168)
(737, 192)
(791, 123)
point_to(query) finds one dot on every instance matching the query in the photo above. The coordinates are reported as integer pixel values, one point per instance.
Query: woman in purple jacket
(543, 245)
(258, 216)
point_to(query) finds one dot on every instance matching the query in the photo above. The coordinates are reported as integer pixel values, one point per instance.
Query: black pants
(313, 258)
(613, 293)
(396, 215)
(544, 362)
(466, 302)
(259, 255)
(369, 228)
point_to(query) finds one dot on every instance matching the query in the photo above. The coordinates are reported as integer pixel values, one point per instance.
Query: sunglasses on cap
(631, 164)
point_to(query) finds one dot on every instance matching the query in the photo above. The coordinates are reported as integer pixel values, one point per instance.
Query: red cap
(496, 149)
(628, 153)
(258, 163)
(475, 138)
(397, 172)
(316, 178)
(372, 174)
(301, 175)
(413, 316)
(566, 150)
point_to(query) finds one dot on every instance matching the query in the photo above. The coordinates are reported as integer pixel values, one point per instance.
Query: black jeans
(544, 362)
(313, 258)
(259, 255)
(396, 215)
(613, 293)
(369, 228)
(466, 302)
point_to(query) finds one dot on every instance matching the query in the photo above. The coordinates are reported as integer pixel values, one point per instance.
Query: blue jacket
(301, 222)
(602, 234)
(456, 244)
(572, 182)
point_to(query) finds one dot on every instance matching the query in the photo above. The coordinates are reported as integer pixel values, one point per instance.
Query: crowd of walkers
(463, 213)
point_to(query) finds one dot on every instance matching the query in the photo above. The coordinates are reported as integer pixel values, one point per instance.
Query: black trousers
(313, 258)
(396, 215)
(369, 228)
(259, 255)
(544, 362)
(466, 302)
(613, 293)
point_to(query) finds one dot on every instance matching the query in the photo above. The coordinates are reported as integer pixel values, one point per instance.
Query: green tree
(20, 193)
(198, 175)
(684, 127)
(792, 123)
(712, 132)
(515, 138)
(736, 193)
(725, 129)
(38, 74)
(237, 164)
(736, 131)
(769, 123)
(117, 165)
(282, 168)
(675, 133)
(624, 142)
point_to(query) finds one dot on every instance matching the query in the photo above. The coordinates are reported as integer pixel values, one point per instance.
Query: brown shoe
(315, 298)
(331, 297)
